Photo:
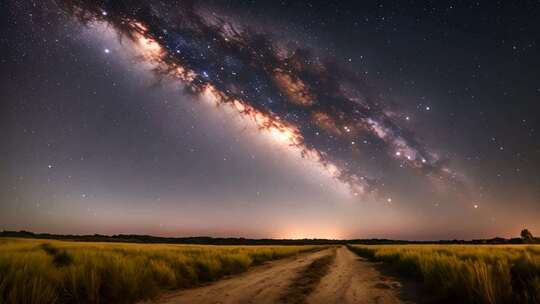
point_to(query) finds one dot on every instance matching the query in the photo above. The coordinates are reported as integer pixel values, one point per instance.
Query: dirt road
(263, 284)
(352, 279)
(348, 279)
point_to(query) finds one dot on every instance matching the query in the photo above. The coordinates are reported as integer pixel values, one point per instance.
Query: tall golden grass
(49, 271)
(467, 273)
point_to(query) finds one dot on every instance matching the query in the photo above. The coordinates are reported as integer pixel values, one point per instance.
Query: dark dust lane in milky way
(312, 104)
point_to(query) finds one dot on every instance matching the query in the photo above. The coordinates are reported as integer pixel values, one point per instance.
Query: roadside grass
(466, 273)
(49, 271)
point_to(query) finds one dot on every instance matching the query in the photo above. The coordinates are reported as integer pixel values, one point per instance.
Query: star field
(378, 119)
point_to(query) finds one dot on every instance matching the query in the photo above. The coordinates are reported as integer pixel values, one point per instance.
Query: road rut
(349, 279)
(352, 279)
(262, 284)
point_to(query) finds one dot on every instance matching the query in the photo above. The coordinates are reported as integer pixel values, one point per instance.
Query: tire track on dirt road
(263, 284)
(352, 279)
(333, 275)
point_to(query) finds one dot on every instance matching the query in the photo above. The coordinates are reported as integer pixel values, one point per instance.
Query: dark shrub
(62, 258)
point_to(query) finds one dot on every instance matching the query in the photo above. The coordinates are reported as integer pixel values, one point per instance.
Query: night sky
(282, 119)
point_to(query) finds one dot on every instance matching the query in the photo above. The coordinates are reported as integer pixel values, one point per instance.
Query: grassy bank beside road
(467, 273)
(49, 271)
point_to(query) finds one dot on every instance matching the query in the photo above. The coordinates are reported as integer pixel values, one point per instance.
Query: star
(336, 126)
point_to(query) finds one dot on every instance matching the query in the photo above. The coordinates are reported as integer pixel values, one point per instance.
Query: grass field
(467, 273)
(48, 271)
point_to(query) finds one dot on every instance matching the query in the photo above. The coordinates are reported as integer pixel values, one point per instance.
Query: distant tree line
(526, 238)
(197, 240)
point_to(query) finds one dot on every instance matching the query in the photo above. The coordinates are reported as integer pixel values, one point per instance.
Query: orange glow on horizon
(306, 232)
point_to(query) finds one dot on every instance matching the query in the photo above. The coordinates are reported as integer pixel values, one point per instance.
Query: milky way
(329, 114)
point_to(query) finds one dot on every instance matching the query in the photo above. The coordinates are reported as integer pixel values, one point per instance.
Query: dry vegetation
(48, 271)
(467, 273)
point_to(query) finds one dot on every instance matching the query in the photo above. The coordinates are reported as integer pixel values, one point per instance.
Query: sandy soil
(262, 284)
(350, 279)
